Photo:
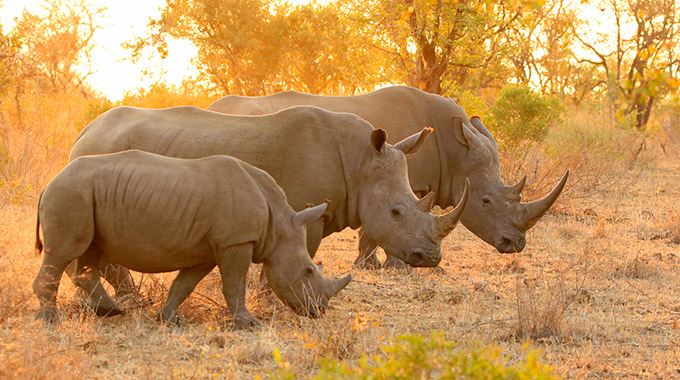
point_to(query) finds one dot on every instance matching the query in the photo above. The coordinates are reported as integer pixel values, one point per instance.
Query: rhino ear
(378, 139)
(411, 144)
(465, 136)
(311, 214)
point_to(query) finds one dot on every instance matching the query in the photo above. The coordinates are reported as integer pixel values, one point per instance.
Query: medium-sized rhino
(156, 214)
(460, 148)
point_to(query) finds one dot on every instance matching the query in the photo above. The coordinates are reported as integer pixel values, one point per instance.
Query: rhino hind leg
(119, 277)
(87, 276)
(61, 246)
(181, 287)
(366, 258)
(46, 286)
(234, 262)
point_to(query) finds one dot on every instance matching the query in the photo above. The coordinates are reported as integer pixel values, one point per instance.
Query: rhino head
(295, 279)
(390, 212)
(494, 211)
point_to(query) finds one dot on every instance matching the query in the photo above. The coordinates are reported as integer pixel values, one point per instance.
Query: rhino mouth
(421, 258)
(311, 309)
(509, 245)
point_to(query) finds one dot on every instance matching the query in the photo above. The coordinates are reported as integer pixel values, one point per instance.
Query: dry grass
(597, 290)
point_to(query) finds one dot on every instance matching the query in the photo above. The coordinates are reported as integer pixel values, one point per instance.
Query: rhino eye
(309, 270)
(486, 202)
(396, 213)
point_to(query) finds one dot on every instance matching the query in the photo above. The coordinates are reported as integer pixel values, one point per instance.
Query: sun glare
(114, 73)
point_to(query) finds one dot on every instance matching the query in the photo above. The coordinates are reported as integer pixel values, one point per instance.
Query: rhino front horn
(446, 223)
(531, 212)
(338, 284)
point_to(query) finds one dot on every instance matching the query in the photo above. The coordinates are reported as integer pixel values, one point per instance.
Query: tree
(640, 60)
(255, 47)
(544, 54)
(45, 62)
(425, 43)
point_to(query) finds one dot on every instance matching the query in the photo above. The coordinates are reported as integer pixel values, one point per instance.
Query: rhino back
(155, 214)
(307, 151)
(400, 110)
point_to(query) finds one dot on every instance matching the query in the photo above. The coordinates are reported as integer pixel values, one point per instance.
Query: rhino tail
(38, 242)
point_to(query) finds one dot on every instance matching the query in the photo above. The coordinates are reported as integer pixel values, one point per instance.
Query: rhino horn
(515, 191)
(411, 144)
(426, 203)
(531, 212)
(446, 223)
(337, 284)
(311, 214)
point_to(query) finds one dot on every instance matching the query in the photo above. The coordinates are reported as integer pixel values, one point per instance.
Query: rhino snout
(511, 245)
(420, 258)
(315, 310)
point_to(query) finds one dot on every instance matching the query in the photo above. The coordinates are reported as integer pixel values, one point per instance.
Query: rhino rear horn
(311, 214)
(446, 223)
(338, 284)
(411, 144)
(514, 192)
(426, 203)
(531, 212)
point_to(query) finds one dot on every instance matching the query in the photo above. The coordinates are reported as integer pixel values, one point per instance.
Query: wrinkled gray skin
(313, 154)
(157, 214)
(462, 148)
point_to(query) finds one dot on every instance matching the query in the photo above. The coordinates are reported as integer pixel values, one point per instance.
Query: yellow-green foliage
(433, 357)
(523, 115)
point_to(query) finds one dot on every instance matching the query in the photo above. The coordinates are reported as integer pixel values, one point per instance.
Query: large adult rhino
(462, 148)
(158, 214)
(313, 154)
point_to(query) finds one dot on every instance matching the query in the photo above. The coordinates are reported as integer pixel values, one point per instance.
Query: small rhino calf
(154, 214)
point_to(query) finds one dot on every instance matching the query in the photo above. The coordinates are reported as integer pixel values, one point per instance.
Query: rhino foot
(246, 322)
(392, 262)
(106, 308)
(169, 318)
(437, 270)
(48, 317)
(369, 263)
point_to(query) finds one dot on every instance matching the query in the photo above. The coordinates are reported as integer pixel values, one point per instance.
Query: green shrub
(523, 115)
(420, 357)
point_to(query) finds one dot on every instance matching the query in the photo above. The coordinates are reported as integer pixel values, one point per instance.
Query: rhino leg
(46, 285)
(87, 277)
(314, 236)
(234, 262)
(119, 277)
(393, 262)
(366, 258)
(181, 287)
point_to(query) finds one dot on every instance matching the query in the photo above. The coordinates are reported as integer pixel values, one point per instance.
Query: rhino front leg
(314, 237)
(234, 262)
(393, 262)
(86, 275)
(366, 258)
(181, 287)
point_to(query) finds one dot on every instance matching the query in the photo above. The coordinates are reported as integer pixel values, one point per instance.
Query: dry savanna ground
(597, 291)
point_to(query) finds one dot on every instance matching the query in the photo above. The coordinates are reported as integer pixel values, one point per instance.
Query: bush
(599, 154)
(523, 115)
(416, 356)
